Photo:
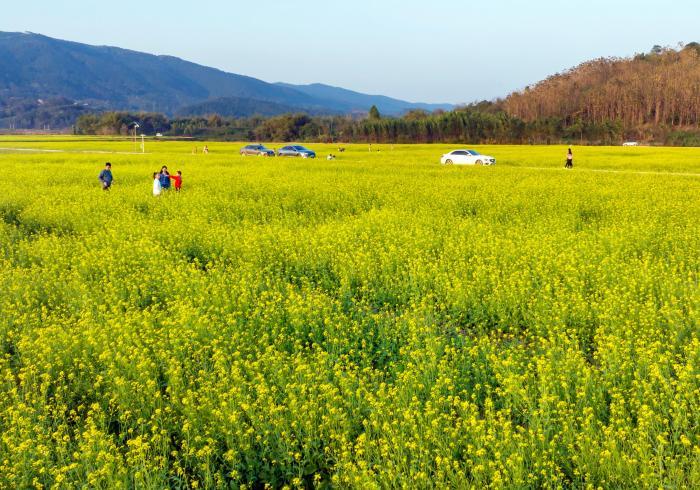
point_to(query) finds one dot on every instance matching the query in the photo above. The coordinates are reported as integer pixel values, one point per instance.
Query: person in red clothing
(178, 180)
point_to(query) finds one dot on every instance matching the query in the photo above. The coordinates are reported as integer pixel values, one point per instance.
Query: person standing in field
(164, 178)
(106, 177)
(205, 150)
(569, 159)
(157, 189)
(177, 179)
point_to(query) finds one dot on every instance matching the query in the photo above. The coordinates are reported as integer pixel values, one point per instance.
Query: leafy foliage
(467, 124)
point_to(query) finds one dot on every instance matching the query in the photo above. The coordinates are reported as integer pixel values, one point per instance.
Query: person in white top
(157, 189)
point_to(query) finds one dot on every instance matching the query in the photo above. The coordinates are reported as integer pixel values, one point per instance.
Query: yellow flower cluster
(372, 322)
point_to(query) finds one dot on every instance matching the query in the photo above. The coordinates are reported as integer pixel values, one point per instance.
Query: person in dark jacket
(164, 178)
(106, 177)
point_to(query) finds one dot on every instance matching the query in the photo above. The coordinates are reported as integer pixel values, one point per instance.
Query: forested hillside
(654, 89)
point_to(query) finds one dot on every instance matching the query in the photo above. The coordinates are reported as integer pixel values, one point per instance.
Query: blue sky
(432, 51)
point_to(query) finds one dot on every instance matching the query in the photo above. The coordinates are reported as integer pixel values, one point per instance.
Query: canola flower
(373, 322)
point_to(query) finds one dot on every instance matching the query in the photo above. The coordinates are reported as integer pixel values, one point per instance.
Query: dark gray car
(296, 151)
(257, 150)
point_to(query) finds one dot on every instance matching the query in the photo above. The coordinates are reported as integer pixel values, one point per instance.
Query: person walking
(106, 177)
(164, 178)
(157, 189)
(569, 159)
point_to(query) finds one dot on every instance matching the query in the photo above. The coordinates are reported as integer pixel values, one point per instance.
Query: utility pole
(136, 126)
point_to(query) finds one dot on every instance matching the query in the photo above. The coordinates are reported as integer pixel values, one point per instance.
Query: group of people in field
(161, 180)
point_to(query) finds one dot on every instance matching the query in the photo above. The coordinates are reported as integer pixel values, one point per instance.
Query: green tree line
(468, 124)
(477, 123)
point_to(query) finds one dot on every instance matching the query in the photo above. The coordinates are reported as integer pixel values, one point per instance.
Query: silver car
(257, 150)
(296, 151)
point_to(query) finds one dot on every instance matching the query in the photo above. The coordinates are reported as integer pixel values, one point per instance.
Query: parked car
(630, 143)
(257, 150)
(467, 157)
(296, 151)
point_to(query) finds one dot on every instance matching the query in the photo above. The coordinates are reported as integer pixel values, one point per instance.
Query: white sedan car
(467, 157)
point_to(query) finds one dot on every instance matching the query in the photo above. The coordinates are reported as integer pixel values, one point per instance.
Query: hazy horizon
(447, 51)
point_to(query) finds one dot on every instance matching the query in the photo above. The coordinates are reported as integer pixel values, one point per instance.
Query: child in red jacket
(178, 180)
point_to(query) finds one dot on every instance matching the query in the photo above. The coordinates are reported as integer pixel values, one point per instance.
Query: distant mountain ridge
(240, 107)
(356, 101)
(33, 66)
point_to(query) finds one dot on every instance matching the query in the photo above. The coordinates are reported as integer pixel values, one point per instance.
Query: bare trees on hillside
(662, 87)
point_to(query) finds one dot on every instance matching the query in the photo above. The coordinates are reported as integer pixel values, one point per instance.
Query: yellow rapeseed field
(375, 321)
